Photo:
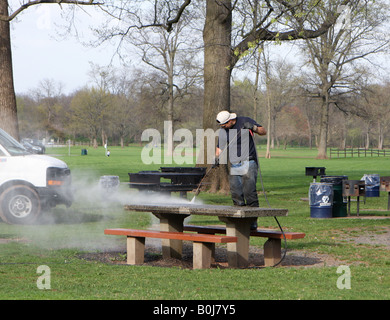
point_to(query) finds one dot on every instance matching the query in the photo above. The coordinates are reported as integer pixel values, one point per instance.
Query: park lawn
(66, 234)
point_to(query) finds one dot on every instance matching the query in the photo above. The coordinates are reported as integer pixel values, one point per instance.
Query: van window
(11, 145)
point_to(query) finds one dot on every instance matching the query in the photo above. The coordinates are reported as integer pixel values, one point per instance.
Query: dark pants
(243, 186)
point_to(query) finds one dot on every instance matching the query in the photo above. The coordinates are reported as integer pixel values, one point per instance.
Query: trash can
(372, 182)
(84, 152)
(321, 200)
(109, 185)
(339, 208)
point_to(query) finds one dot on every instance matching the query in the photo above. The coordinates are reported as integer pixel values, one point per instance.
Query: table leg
(238, 252)
(173, 223)
(388, 201)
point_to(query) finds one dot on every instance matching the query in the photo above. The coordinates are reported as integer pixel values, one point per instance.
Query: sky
(39, 53)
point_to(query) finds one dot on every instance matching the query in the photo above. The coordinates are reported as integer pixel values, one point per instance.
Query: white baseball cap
(225, 116)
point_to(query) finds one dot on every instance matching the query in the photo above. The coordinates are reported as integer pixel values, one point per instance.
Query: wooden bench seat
(272, 247)
(202, 244)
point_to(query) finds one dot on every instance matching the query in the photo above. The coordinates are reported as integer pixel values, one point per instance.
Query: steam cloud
(95, 208)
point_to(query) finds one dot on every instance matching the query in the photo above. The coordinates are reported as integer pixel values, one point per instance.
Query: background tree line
(118, 106)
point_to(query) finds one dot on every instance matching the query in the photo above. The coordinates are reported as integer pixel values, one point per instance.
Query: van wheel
(20, 204)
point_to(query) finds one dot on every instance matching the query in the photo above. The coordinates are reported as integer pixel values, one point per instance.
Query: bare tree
(172, 55)
(89, 111)
(334, 56)
(48, 95)
(8, 110)
(268, 93)
(373, 105)
(122, 110)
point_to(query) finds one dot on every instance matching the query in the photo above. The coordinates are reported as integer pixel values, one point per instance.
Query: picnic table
(237, 219)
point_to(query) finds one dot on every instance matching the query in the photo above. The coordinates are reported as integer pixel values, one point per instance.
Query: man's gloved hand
(216, 163)
(250, 126)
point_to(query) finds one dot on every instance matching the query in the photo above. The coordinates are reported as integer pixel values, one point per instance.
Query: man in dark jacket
(236, 136)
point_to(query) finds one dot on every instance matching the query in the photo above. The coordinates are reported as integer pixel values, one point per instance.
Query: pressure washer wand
(214, 166)
(200, 183)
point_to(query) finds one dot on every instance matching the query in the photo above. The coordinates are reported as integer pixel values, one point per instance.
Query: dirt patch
(6, 238)
(293, 258)
(153, 257)
(379, 237)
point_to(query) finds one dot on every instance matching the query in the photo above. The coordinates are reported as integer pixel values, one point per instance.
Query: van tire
(20, 204)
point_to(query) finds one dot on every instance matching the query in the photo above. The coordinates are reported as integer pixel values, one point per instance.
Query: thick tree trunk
(217, 72)
(8, 113)
(323, 141)
(380, 136)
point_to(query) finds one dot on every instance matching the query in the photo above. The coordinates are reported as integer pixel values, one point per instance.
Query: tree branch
(36, 2)
(170, 22)
(264, 34)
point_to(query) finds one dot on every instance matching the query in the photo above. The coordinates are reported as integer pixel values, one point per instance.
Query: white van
(30, 183)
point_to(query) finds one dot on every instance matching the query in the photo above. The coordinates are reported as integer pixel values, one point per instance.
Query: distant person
(108, 153)
(236, 135)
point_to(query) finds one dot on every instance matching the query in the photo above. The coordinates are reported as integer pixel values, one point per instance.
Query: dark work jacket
(240, 141)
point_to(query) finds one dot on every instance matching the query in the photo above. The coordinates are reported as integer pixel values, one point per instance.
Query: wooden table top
(206, 209)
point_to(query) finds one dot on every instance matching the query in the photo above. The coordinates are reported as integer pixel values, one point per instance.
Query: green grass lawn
(65, 234)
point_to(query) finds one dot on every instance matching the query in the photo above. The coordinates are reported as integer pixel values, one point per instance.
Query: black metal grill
(353, 188)
(385, 186)
(168, 179)
(315, 172)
